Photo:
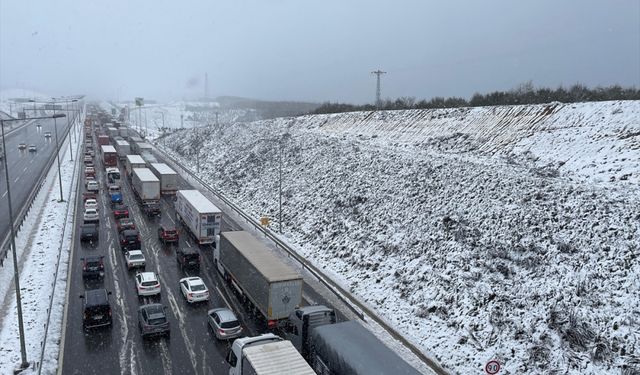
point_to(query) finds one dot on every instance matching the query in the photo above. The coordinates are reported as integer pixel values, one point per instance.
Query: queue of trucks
(312, 341)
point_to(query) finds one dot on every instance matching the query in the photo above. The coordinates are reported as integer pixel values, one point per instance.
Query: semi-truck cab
(266, 354)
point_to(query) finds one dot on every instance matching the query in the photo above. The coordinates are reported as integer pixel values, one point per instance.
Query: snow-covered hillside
(500, 232)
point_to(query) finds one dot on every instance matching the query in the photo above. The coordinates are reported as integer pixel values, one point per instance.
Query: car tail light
(221, 331)
(190, 295)
(109, 311)
(272, 324)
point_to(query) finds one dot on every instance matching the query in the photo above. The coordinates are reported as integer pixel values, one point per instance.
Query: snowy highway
(25, 167)
(192, 348)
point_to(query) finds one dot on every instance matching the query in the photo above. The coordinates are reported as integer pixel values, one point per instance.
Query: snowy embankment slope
(499, 232)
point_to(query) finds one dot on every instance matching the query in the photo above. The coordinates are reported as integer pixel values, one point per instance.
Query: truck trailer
(112, 131)
(146, 188)
(266, 354)
(341, 348)
(123, 149)
(103, 140)
(274, 288)
(109, 156)
(167, 176)
(133, 140)
(131, 162)
(199, 215)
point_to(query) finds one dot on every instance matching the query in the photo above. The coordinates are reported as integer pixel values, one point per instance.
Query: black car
(188, 257)
(152, 320)
(151, 209)
(130, 240)
(93, 267)
(89, 232)
(96, 310)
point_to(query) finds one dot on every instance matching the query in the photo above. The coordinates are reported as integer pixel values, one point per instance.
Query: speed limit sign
(492, 367)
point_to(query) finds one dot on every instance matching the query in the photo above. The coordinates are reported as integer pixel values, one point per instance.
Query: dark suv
(130, 240)
(93, 267)
(151, 209)
(89, 232)
(167, 234)
(152, 320)
(96, 310)
(188, 257)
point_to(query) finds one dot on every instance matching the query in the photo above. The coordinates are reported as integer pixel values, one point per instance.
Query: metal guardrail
(336, 289)
(24, 212)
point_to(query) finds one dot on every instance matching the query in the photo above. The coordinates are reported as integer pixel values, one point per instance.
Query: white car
(147, 284)
(91, 203)
(93, 185)
(135, 258)
(91, 215)
(194, 290)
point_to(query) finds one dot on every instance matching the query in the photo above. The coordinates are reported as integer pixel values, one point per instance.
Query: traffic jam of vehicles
(125, 188)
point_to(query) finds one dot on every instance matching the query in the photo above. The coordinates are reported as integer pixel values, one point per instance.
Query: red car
(120, 211)
(89, 195)
(167, 234)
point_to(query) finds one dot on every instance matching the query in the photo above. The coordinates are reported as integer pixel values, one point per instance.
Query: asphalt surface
(25, 167)
(119, 349)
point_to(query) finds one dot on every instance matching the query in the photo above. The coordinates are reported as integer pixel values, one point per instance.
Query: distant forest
(525, 93)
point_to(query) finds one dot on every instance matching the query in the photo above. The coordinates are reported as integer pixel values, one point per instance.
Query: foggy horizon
(286, 50)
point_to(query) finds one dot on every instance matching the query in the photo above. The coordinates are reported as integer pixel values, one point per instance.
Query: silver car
(224, 323)
(135, 259)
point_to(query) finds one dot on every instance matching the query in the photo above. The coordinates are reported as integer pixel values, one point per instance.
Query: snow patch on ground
(507, 232)
(40, 242)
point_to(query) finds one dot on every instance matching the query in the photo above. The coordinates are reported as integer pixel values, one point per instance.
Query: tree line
(525, 93)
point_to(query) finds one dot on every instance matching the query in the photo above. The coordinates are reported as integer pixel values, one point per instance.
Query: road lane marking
(16, 180)
(5, 193)
(225, 300)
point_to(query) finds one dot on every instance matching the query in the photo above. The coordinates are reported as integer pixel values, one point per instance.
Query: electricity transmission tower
(378, 73)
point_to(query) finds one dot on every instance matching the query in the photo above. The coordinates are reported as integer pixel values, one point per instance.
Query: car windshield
(149, 283)
(136, 256)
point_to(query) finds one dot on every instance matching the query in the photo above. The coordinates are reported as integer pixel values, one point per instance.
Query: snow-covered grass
(500, 232)
(45, 235)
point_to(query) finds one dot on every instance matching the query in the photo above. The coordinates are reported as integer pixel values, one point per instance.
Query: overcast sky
(314, 50)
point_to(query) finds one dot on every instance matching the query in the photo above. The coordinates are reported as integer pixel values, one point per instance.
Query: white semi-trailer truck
(199, 215)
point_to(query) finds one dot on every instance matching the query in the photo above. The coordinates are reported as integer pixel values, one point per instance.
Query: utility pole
(206, 85)
(378, 73)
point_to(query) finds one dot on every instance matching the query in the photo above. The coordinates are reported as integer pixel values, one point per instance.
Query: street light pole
(55, 125)
(68, 126)
(16, 276)
(280, 189)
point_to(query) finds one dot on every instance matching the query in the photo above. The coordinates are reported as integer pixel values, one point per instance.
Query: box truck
(167, 176)
(266, 354)
(123, 149)
(273, 287)
(131, 162)
(146, 188)
(201, 217)
(103, 140)
(109, 156)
